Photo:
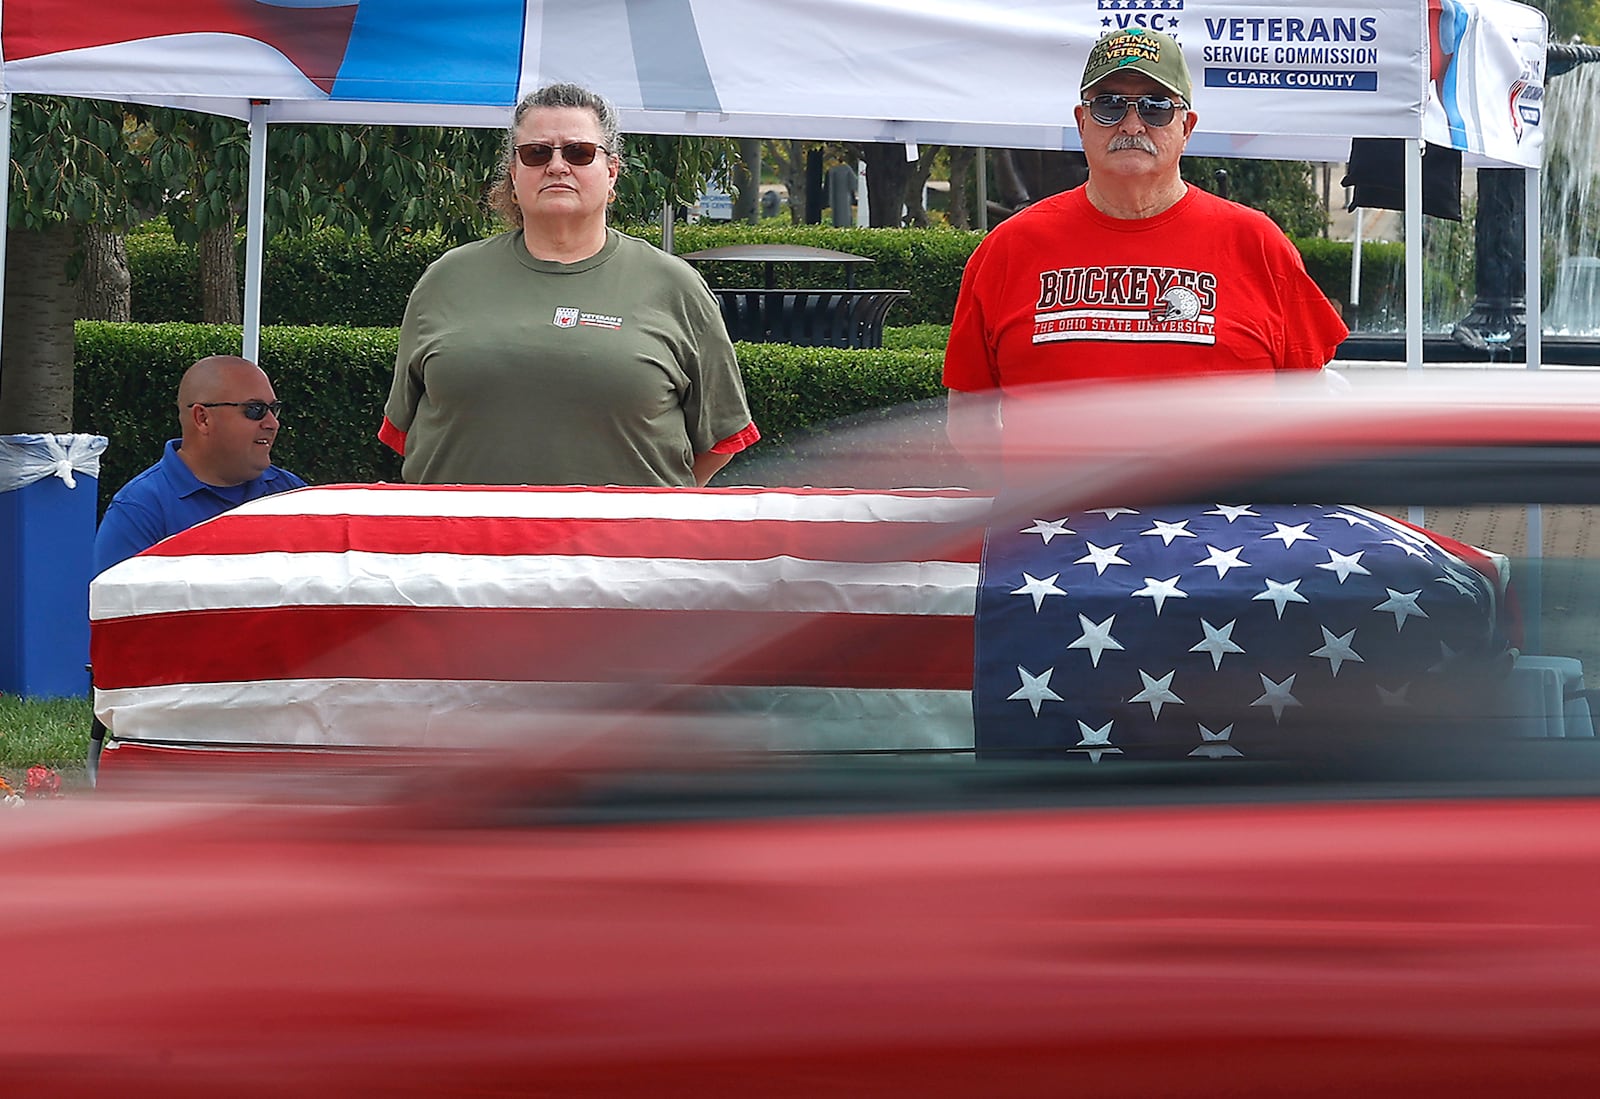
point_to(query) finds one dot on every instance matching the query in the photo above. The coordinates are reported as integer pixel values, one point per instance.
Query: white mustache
(1132, 141)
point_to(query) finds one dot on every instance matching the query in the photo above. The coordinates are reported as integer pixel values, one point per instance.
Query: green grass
(52, 732)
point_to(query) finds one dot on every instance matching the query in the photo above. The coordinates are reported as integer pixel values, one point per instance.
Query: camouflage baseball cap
(1152, 53)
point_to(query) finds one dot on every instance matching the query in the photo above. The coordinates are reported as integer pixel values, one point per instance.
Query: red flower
(42, 782)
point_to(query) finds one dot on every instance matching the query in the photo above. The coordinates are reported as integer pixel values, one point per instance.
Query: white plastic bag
(25, 459)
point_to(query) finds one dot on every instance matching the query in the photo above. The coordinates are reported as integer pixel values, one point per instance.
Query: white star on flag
(1281, 594)
(1048, 529)
(1277, 696)
(1101, 558)
(1157, 692)
(1344, 564)
(1037, 588)
(1168, 531)
(1161, 591)
(1290, 535)
(1350, 519)
(1402, 605)
(1096, 638)
(1336, 650)
(1455, 582)
(1223, 560)
(1035, 689)
(1215, 745)
(1096, 742)
(1447, 656)
(1231, 512)
(1217, 643)
(1410, 549)
(1394, 698)
(1112, 513)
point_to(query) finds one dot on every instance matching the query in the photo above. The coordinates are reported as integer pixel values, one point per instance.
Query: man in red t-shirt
(1135, 274)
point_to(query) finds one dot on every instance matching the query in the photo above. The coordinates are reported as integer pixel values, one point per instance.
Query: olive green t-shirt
(616, 370)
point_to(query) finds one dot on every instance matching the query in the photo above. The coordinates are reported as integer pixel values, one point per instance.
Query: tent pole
(1414, 273)
(255, 230)
(1413, 253)
(1355, 261)
(1533, 274)
(983, 189)
(1533, 335)
(5, 189)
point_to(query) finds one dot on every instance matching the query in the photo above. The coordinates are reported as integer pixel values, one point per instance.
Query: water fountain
(1494, 328)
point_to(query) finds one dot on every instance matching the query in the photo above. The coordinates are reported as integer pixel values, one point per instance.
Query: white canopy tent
(1272, 81)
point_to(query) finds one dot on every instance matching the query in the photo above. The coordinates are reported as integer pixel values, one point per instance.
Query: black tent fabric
(1376, 170)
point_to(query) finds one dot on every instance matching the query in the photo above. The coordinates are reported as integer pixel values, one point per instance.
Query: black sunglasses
(536, 154)
(253, 410)
(1109, 110)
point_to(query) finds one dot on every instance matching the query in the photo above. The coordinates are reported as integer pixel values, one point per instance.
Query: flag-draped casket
(427, 617)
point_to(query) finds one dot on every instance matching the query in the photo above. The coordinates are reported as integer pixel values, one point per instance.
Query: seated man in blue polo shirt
(229, 415)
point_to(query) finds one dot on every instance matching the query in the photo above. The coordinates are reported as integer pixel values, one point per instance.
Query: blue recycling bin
(48, 489)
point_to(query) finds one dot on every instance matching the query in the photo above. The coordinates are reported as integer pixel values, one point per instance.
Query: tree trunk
(1009, 182)
(1024, 176)
(962, 160)
(104, 285)
(219, 277)
(747, 181)
(36, 357)
(887, 175)
(812, 215)
(917, 173)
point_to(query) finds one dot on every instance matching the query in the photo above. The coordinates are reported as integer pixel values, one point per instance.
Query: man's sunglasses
(253, 410)
(537, 154)
(1109, 110)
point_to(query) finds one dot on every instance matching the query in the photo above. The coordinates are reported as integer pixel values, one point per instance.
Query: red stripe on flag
(741, 540)
(769, 648)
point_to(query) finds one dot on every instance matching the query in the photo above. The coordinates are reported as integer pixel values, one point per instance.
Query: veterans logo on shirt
(566, 317)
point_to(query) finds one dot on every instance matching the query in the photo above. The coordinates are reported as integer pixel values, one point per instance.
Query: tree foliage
(1571, 17)
(662, 171)
(66, 161)
(1284, 190)
(379, 181)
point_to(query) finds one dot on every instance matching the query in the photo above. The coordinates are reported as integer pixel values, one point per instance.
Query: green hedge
(1382, 295)
(321, 278)
(333, 382)
(328, 278)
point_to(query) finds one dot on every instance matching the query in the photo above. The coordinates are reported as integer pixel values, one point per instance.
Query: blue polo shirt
(167, 498)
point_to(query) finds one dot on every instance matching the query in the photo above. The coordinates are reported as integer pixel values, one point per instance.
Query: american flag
(398, 616)
(1218, 631)
(426, 617)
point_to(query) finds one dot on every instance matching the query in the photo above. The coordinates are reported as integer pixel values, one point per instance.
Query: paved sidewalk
(1570, 587)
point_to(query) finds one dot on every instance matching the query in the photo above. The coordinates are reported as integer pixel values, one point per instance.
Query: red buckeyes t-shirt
(1060, 291)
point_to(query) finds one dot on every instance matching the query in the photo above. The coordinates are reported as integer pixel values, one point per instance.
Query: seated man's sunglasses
(536, 154)
(253, 410)
(1109, 110)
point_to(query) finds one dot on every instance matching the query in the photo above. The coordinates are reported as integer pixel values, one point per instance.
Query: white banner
(1271, 79)
(1486, 79)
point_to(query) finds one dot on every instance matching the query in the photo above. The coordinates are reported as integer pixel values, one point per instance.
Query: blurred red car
(1384, 910)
